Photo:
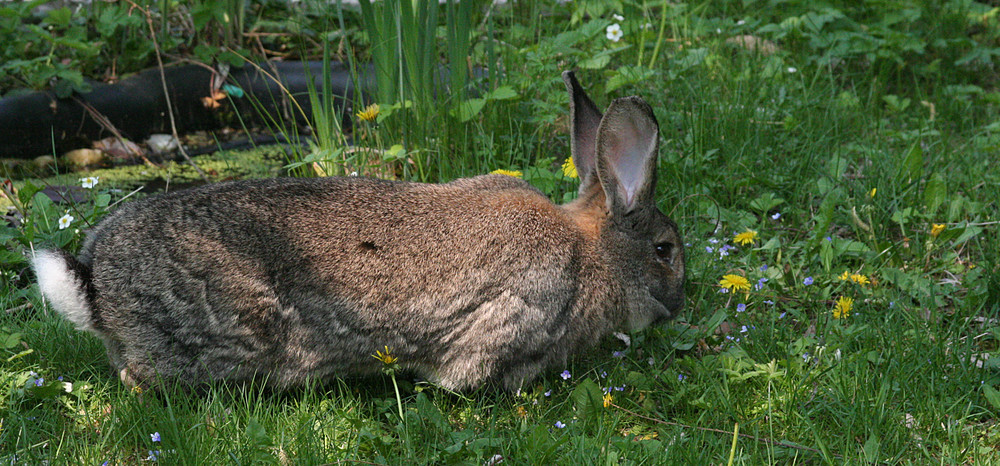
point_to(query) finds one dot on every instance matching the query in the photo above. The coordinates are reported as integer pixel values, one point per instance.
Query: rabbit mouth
(650, 311)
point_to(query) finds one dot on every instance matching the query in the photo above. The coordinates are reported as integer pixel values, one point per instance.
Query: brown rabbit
(480, 280)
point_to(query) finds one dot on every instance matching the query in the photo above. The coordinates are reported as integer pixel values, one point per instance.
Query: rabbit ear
(627, 142)
(584, 119)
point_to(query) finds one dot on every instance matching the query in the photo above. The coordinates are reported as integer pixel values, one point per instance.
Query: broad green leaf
(627, 75)
(502, 93)
(10, 341)
(257, 434)
(913, 165)
(837, 166)
(588, 398)
(935, 193)
(871, 448)
(992, 396)
(468, 109)
(596, 62)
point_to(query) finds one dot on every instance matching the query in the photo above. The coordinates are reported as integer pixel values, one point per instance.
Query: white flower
(64, 221)
(618, 17)
(90, 181)
(792, 69)
(741, 22)
(614, 33)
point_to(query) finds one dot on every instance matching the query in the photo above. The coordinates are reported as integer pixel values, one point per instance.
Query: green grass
(910, 376)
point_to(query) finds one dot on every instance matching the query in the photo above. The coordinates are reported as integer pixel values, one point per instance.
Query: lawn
(832, 167)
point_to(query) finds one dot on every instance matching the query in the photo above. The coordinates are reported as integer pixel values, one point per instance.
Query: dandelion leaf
(587, 398)
(935, 193)
(992, 396)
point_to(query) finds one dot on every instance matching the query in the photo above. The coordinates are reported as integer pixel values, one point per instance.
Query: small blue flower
(768, 301)
(776, 216)
(808, 281)
(713, 240)
(604, 374)
(548, 393)
(681, 377)
(782, 316)
(763, 268)
(829, 239)
(560, 425)
(709, 249)
(59, 378)
(39, 381)
(155, 436)
(619, 389)
(566, 375)
(741, 307)
(617, 354)
(153, 455)
(760, 284)
(744, 329)
(891, 304)
(723, 290)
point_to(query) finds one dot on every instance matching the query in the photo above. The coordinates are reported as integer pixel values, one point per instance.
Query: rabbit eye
(664, 251)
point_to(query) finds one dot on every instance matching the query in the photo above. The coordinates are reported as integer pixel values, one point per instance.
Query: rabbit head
(616, 159)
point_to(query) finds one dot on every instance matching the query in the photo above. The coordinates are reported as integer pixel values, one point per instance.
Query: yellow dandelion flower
(387, 358)
(569, 168)
(608, 399)
(859, 279)
(734, 283)
(514, 173)
(745, 238)
(936, 229)
(369, 113)
(137, 390)
(845, 275)
(842, 309)
(871, 193)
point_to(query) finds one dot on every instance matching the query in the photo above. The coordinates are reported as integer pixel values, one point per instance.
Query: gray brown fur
(481, 280)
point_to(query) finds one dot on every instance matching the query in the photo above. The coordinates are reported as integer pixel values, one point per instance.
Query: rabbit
(479, 281)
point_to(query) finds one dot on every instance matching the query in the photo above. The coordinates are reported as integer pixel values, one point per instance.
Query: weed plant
(836, 185)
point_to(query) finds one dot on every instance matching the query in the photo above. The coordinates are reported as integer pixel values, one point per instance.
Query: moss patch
(263, 162)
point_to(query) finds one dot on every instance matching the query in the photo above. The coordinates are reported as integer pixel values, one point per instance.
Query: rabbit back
(307, 278)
